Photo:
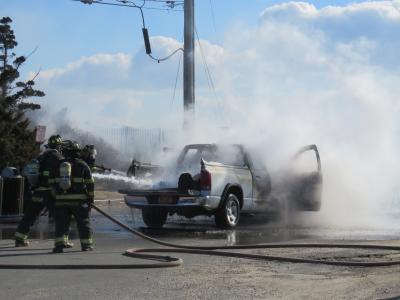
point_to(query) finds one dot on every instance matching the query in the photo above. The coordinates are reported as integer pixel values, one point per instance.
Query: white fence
(139, 143)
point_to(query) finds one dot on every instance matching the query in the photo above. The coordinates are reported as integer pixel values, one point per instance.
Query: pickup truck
(225, 181)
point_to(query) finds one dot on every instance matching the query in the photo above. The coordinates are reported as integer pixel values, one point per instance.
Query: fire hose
(169, 261)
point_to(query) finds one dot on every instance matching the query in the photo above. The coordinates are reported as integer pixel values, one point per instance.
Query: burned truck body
(225, 181)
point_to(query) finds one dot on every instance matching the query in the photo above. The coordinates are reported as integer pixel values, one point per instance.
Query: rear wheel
(227, 216)
(155, 218)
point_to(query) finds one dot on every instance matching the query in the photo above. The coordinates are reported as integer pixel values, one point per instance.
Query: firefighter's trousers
(63, 214)
(39, 201)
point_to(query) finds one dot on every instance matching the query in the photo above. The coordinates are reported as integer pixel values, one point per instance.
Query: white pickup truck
(226, 181)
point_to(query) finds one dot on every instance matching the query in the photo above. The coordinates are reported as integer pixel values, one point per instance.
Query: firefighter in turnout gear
(41, 176)
(74, 194)
(88, 155)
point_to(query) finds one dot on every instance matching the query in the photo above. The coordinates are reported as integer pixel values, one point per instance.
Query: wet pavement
(200, 277)
(252, 229)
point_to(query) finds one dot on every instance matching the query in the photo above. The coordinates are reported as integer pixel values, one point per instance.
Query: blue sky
(285, 74)
(92, 60)
(65, 30)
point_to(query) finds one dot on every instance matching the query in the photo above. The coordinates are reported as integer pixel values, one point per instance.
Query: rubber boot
(87, 248)
(69, 245)
(21, 243)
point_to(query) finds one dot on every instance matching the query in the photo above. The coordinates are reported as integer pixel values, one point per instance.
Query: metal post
(188, 64)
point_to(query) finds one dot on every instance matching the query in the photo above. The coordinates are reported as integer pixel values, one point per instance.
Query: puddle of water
(250, 231)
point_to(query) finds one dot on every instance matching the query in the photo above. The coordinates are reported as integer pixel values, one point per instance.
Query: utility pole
(188, 64)
(188, 56)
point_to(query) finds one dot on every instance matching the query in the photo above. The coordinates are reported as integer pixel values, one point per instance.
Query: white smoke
(329, 76)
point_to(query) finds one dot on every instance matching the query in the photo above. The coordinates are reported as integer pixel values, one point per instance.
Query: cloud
(374, 22)
(95, 70)
(328, 56)
(328, 76)
(113, 90)
(304, 75)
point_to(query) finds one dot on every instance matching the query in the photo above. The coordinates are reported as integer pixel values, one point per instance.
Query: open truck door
(306, 187)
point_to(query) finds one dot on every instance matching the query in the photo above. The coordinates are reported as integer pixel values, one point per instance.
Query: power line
(131, 4)
(168, 4)
(176, 80)
(210, 81)
(165, 58)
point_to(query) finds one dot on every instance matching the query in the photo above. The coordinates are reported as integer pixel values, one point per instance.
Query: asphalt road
(200, 277)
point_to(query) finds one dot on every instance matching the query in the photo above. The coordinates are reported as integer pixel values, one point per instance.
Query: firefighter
(41, 174)
(74, 194)
(88, 155)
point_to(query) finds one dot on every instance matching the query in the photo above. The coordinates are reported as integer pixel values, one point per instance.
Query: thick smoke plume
(304, 75)
(321, 76)
(59, 123)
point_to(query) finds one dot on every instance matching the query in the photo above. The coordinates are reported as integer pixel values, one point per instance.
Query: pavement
(200, 277)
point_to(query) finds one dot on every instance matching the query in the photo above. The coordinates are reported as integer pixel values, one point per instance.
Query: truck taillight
(205, 180)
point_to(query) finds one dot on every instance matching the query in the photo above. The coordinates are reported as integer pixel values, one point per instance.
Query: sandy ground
(200, 277)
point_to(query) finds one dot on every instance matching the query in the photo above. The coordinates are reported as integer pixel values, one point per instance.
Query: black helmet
(54, 141)
(89, 154)
(75, 147)
(71, 146)
(90, 150)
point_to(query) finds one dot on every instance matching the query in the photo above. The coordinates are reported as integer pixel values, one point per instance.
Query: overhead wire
(131, 5)
(167, 57)
(171, 4)
(149, 54)
(210, 80)
(131, 2)
(140, 7)
(176, 80)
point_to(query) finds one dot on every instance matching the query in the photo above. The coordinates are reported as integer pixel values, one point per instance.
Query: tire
(227, 216)
(154, 218)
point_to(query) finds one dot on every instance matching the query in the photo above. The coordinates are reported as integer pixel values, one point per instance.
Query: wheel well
(237, 191)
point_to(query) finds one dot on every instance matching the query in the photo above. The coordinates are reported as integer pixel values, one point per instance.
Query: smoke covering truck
(225, 182)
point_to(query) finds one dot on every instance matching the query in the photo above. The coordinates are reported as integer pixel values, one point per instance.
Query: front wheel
(227, 216)
(154, 217)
